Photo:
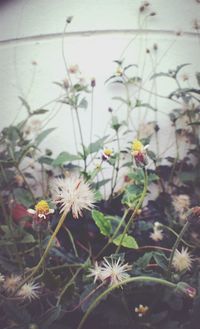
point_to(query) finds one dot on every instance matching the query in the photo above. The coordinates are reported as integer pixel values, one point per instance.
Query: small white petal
(31, 211)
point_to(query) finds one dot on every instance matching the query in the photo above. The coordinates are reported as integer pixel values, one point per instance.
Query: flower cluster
(29, 290)
(113, 272)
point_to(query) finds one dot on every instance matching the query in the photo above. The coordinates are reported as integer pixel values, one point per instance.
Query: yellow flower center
(42, 207)
(107, 152)
(137, 146)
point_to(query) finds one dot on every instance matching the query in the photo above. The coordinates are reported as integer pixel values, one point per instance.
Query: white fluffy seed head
(72, 194)
(182, 260)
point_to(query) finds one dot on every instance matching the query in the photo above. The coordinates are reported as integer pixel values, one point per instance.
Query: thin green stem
(135, 210)
(71, 239)
(68, 284)
(175, 246)
(130, 280)
(81, 136)
(176, 234)
(117, 164)
(42, 259)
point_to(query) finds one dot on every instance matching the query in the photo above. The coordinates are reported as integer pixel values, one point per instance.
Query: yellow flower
(41, 210)
(119, 71)
(139, 153)
(137, 146)
(107, 153)
(141, 310)
(42, 207)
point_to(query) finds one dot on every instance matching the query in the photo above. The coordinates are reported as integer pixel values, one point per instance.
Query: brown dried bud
(93, 82)
(193, 215)
(69, 19)
(147, 51)
(155, 46)
(153, 13)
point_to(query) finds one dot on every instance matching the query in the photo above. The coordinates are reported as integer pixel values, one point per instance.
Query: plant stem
(42, 259)
(135, 210)
(176, 234)
(130, 280)
(69, 283)
(117, 165)
(71, 239)
(81, 136)
(175, 246)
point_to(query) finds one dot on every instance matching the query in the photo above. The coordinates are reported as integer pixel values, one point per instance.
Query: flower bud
(186, 289)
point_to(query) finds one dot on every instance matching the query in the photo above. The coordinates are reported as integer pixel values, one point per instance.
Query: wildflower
(141, 310)
(73, 69)
(29, 290)
(193, 215)
(181, 202)
(41, 210)
(115, 271)
(2, 278)
(157, 234)
(139, 153)
(187, 290)
(106, 153)
(72, 193)
(11, 283)
(182, 260)
(119, 71)
(96, 272)
(93, 82)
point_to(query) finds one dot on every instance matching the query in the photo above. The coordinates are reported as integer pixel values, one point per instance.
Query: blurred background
(156, 38)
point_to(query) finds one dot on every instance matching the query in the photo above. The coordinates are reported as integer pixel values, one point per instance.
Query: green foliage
(102, 222)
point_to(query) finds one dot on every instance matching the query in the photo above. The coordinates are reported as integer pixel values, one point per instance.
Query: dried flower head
(72, 194)
(114, 271)
(11, 283)
(73, 69)
(141, 310)
(96, 272)
(139, 153)
(29, 290)
(157, 234)
(181, 205)
(182, 260)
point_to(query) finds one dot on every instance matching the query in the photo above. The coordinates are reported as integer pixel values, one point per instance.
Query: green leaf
(50, 316)
(39, 111)
(25, 104)
(64, 157)
(23, 197)
(102, 223)
(144, 260)
(128, 241)
(45, 160)
(96, 146)
(28, 238)
(43, 135)
(161, 260)
(83, 103)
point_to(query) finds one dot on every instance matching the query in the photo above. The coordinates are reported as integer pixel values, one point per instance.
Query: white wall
(31, 31)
